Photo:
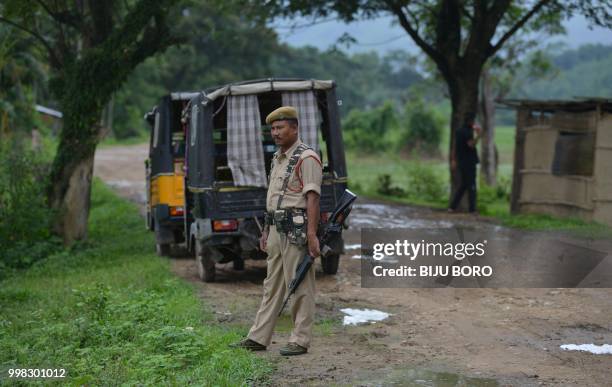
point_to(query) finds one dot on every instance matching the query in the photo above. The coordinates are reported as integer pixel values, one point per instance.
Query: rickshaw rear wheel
(205, 263)
(330, 263)
(163, 249)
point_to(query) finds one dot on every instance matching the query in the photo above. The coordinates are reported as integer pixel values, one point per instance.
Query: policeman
(290, 232)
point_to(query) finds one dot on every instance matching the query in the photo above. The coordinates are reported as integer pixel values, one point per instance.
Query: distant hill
(582, 72)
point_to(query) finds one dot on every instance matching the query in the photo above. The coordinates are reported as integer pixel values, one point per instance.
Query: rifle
(332, 230)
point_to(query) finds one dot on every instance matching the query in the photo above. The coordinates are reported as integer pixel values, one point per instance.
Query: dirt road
(433, 337)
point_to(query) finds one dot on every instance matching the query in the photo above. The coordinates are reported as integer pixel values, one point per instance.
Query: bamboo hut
(563, 158)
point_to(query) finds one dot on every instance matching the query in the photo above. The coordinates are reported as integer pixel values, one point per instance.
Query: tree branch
(448, 29)
(61, 17)
(484, 24)
(55, 62)
(46, 8)
(467, 13)
(414, 21)
(399, 12)
(536, 8)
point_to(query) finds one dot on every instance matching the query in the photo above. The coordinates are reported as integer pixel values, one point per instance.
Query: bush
(25, 218)
(386, 187)
(498, 193)
(424, 184)
(492, 198)
(423, 132)
(368, 130)
(504, 187)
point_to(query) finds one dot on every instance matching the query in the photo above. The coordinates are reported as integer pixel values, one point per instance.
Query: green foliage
(25, 219)
(423, 134)
(127, 121)
(490, 198)
(364, 80)
(240, 49)
(21, 71)
(222, 45)
(367, 130)
(569, 59)
(111, 313)
(424, 183)
(384, 186)
(583, 72)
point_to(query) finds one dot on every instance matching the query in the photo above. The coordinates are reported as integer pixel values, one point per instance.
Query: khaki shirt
(310, 172)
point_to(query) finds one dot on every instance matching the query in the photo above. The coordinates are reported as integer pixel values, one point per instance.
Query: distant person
(465, 157)
(289, 233)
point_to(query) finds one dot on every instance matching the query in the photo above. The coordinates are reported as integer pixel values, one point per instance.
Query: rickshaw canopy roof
(260, 86)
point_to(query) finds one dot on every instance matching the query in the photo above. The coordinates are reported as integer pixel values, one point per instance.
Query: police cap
(282, 113)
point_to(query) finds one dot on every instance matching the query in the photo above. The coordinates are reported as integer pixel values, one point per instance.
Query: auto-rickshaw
(165, 194)
(228, 215)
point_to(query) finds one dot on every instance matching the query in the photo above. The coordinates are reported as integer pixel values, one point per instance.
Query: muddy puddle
(377, 215)
(410, 377)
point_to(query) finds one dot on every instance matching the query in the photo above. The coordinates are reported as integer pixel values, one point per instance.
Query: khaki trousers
(283, 259)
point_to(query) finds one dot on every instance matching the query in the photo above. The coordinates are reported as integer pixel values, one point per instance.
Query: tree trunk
(71, 174)
(488, 159)
(464, 102)
(71, 198)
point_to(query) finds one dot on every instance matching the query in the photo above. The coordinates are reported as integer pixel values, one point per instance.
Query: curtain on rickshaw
(308, 115)
(244, 147)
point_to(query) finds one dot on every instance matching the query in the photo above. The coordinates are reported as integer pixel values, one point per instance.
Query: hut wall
(541, 191)
(544, 188)
(574, 121)
(603, 171)
(539, 149)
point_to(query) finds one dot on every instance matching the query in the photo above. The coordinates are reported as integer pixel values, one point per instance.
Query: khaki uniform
(284, 257)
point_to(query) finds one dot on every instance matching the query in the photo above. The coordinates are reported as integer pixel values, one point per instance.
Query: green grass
(110, 312)
(322, 326)
(574, 226)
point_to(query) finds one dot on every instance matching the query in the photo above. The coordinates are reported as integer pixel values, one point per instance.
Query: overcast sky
(381, 35)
